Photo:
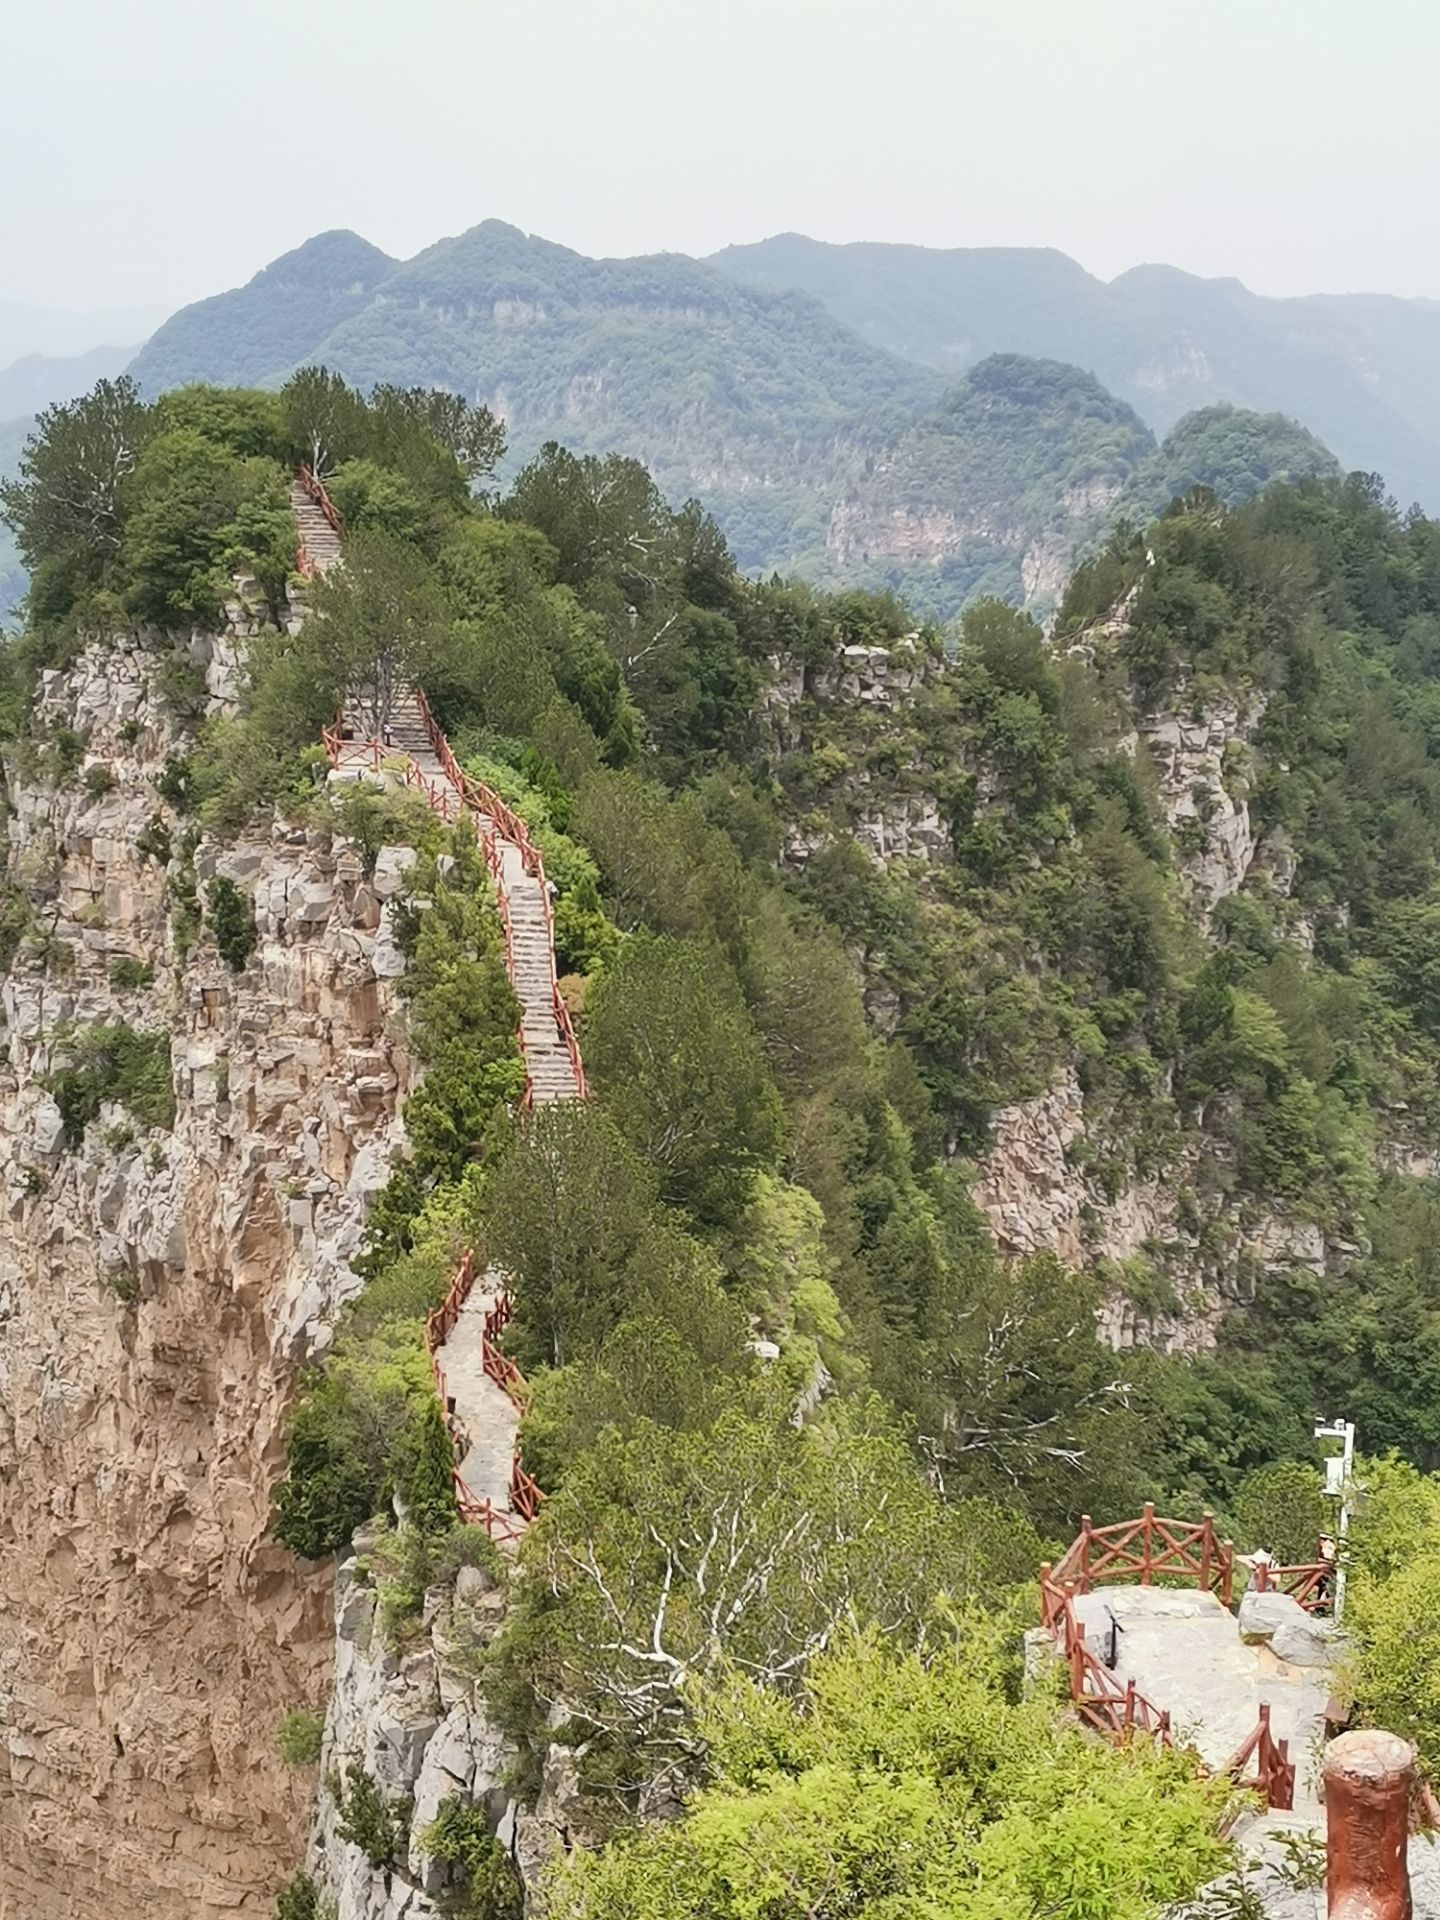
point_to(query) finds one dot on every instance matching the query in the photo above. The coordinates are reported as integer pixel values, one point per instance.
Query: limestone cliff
(158, 1289)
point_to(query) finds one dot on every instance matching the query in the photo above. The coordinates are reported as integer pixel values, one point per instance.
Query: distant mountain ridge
(817, 443)
(36, 379)
(1360, 370)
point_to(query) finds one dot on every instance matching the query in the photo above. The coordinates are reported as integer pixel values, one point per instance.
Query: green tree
(901, 1783)
(67, 501)
(683, 1072)
(378, 628)
(628, 1611)
(470, 433)
(564, 1213)
(1282, 1508)
(325, 419)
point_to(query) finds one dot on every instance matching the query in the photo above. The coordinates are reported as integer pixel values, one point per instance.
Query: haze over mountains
(1360, 370)
(945, 422)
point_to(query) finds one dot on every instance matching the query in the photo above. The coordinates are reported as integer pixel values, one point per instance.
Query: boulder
(1262, 1615)
(1305, 1643)
(392, 868)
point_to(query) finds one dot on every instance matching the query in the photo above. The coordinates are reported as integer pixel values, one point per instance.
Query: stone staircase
(481, 1411)
(530, 951)
(319, 542)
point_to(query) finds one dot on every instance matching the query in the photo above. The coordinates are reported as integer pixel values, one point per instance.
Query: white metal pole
(1349, 1458)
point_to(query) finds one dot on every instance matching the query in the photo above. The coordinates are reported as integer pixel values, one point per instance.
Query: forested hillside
(813, 450)
(833, 910)
(1358, 370)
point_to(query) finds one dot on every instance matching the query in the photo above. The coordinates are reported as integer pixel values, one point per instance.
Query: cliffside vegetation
(767, 1203)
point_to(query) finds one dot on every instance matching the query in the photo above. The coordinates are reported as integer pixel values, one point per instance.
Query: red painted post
(1368, 1780)
(1227, 1586)
(1084, 1553)
(1149, 1530)
(1045, 1619)
(1129, 1703)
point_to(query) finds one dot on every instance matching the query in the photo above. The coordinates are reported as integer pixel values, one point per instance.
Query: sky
(154, 151)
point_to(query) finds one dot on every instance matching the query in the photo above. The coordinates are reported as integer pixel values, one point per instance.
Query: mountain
(1022, 468)
(1362, 371)
(36, 380)
(761, 402)
(55, 332)
(274, 321)
(816, 448)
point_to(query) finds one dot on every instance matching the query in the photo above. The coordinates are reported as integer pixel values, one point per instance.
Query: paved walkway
(485, 1411)
(1184, 1652)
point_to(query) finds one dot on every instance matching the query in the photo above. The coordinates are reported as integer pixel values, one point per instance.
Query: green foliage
(67, 504)
(231, 920)
(371, 1820)
(1282, 1509)
(299, 1899)
(672, 1048)
(298, 1737)
(826, 1524)
(127, 973)
(459, 1836)
(113, 1062)
(1394, 1669)
(909, 1782)
(564, 1213)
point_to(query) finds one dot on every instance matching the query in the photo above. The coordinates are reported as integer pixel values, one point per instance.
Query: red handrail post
(1206, 1537)
(1084, 1553)
(1149, 1531)
(1227, 1587)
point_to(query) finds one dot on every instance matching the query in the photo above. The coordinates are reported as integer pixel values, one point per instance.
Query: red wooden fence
(526, 1495)
(1146, 1550)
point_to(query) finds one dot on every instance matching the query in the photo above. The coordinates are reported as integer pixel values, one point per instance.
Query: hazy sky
(158, 150)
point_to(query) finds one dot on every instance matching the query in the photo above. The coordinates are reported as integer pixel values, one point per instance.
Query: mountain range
(943, 422)
(1360, 370)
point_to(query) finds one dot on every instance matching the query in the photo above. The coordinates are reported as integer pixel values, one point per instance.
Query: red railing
(525, 1494)
(1274, 1769)
(1150, 1548)
(446, 800)
(1311, 1583)
(1147, 1549)
(311, 484)
(484, 801)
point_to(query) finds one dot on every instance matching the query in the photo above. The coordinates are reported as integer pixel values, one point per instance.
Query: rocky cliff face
(1202, 758)
(412, 1717)
(1034, 1191)
(158, 1288)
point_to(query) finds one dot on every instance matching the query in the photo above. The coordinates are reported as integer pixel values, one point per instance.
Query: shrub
(180, 682)
(1282, 1508)
(99, 780)
(298, 1737)
(232, 922)
(299, 1899)
(175, 781)
(459, 1836)
(127, 972)
(114, 1062)
(369, 1820)
(153, 840)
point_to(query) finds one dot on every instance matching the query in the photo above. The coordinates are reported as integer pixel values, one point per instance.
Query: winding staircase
(480, 1387)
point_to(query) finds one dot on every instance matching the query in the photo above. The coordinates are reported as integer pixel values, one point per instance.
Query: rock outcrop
(1202, 759)
(158, 1288)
